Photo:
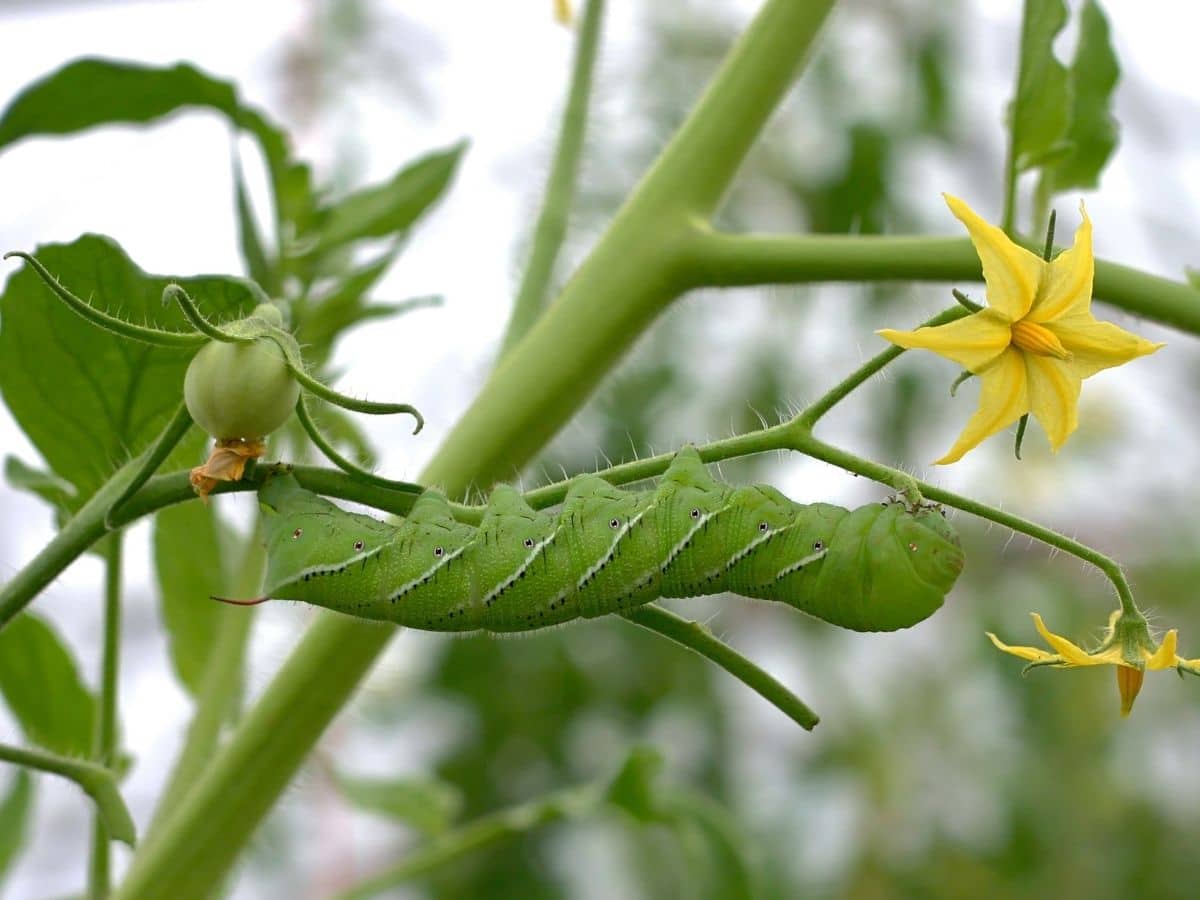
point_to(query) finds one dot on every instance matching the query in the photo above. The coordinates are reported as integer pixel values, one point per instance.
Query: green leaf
(189, 563)
(386, 209)
(41, 685)
(1092, 132)
(90, 92)
(1038, 114)
(96, 781)
(86, 398)
(251, 243)
(427, 804)
(634, 788)
(14, 817)
(721, 861)
(322, 320)
(54, 490)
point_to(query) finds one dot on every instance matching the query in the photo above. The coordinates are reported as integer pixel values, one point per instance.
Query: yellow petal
(1010, 271)
(1053, 396)
(1072, 655)
(1003, 398)
(1033, 654)
(1096, 345)
(973, 342)
(1066, 286)
(1129, 682)
(1164, 657)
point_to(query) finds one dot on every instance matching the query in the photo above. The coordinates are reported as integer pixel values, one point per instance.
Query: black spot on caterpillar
(876, 568)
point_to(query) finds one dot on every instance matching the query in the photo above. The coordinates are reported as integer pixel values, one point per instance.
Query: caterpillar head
(933, 547)
(308, 536)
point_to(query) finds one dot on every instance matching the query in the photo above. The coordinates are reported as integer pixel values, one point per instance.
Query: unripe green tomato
(242, 390)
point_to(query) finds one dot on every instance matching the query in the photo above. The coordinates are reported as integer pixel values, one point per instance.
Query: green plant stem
(486, 830)
(804, 442)
(219, 689)
(700, 639)
(192, 313)
(628, 278)
(634, 271)
(725, 260)
(551, 227)
(370, 407)
(87, 525)
(103, 320)
(105, 744)
(840, 391)
(346, 465)
(148, 462)
(96, 781)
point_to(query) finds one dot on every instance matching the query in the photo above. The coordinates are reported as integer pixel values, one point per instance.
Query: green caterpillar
(876, 568)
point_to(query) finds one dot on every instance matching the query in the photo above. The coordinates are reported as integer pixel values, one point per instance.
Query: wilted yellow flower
(1127, 645)
(1034, 342)
(227, 462)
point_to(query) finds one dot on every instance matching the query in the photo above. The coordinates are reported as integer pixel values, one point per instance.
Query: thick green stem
(489, 829)
(104, 750)
(551, 225)
(700, 639)
(725, 260)
(625, 282)
(634, 272)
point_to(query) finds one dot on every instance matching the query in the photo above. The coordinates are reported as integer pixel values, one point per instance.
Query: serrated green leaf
(14, 817)
(42, 688)
(386, 209)
(1038, 114)
(1092, 131)
(190, 567)
(427, 804)
(86, 398)
(90, 92)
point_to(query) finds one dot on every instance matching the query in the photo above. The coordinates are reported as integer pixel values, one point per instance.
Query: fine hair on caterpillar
(606, 550)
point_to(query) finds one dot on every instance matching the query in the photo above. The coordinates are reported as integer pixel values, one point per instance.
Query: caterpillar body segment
(877, 568)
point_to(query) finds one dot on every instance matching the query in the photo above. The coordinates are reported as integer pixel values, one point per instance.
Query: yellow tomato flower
(1127, 645)
(1034, 342)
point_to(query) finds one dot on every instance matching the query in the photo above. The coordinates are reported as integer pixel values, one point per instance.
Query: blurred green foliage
(938, 772)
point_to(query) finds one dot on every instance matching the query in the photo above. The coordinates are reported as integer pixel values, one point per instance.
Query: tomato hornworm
(880, 567)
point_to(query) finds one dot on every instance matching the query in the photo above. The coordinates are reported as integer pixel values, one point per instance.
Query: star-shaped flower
(1127, 645)
(1034, 342)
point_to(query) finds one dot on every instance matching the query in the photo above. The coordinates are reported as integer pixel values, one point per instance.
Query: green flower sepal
(1127, 644)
